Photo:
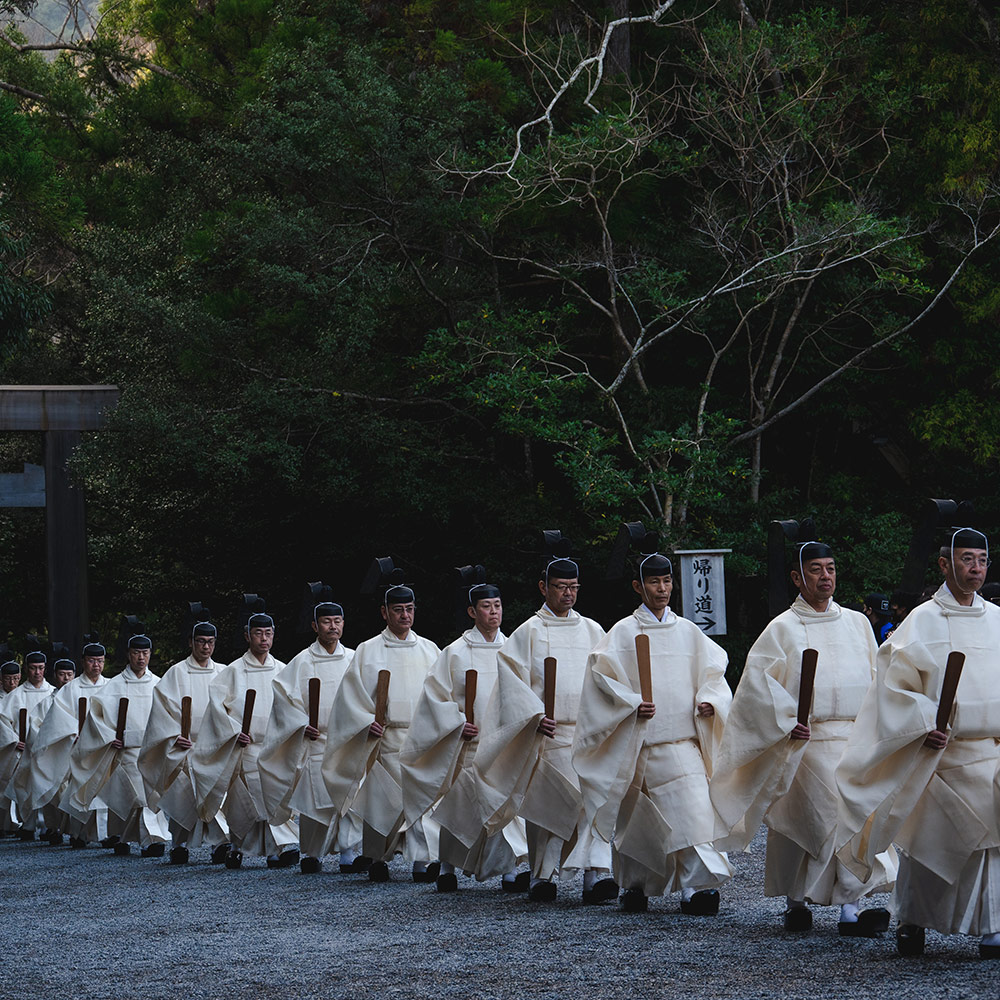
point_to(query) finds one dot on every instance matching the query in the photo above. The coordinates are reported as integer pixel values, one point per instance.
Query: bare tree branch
(854, 361)
(590, 64)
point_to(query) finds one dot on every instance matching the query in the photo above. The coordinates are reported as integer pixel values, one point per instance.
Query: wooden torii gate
(62, 413)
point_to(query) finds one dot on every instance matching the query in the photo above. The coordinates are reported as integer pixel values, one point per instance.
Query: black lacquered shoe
(602, 891)
(909, 940)
(871, 923)
(358, 866)
(634, 901)
(378, 871)
(542, 892)
(521, 883)
(220, 852)
(447, 882)
(704, 903)
(798, 919)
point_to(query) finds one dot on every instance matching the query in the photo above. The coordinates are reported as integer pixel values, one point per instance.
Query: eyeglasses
(565, 588)
(969, 561)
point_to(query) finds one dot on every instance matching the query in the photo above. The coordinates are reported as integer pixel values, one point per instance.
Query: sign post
(703, 588)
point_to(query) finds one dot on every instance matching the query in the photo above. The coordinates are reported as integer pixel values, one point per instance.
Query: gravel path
(84, 925)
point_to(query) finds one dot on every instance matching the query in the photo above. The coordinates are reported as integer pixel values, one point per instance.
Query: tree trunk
(619, 57)
(755, 470)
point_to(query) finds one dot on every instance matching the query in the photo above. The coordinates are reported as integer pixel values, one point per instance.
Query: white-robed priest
(523, 765)
(104, 762)
(441, 745)
(291, 763)
(10, 678)
(34, 696)
(224, 762)
(773, 769)
(644, 764)
(932, 789)
(363, 752)
(54, 741)
(164, 759)
(52, 820)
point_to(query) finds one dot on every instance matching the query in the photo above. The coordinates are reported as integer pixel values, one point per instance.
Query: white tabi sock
(539, 881)
(510, 876)
(447, 869)
(686, 894)
(849, 913)
(795, 904)
(347, 857)
(991, 940)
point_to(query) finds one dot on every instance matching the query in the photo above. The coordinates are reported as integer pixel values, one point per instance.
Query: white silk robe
(10, 758)
(762, 775)
(225, 775)
(521, 772)
(165, 768)
(938, 806)
(36, 701)
(291, 766)
(353, 758)
(48, 774)
(645, 781)
(101, 775)
(435, 758)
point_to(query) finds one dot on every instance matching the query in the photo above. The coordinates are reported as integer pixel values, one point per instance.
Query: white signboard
(703, 588)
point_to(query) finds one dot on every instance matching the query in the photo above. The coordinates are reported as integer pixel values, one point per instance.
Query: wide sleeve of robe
(93, 759)
(284, 752)
(350, 752)
(9, 755)
(53, 743)
(509, 738)
(216, 756)
(160, 760)
(434, 738)
(757, 761)
(606, 741)
(886, 767)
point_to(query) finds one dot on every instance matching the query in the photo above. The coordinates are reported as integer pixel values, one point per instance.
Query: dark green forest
(421, 279)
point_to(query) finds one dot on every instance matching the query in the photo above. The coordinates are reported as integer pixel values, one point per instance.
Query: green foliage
(34, 211)
(335, 337)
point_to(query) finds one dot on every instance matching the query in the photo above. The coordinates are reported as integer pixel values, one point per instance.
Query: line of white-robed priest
(640, 780)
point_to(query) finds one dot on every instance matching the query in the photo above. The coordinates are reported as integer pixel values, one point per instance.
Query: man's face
(260, 641)
(560, 594)
(487, 614)
(9, 682)
(138, 660)
(968, 572)
(655, 591)
(36, 674)
(202, 647)
(93, 667)
(63, 676)
(818, 580)
(399, 618)
(328, 629)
